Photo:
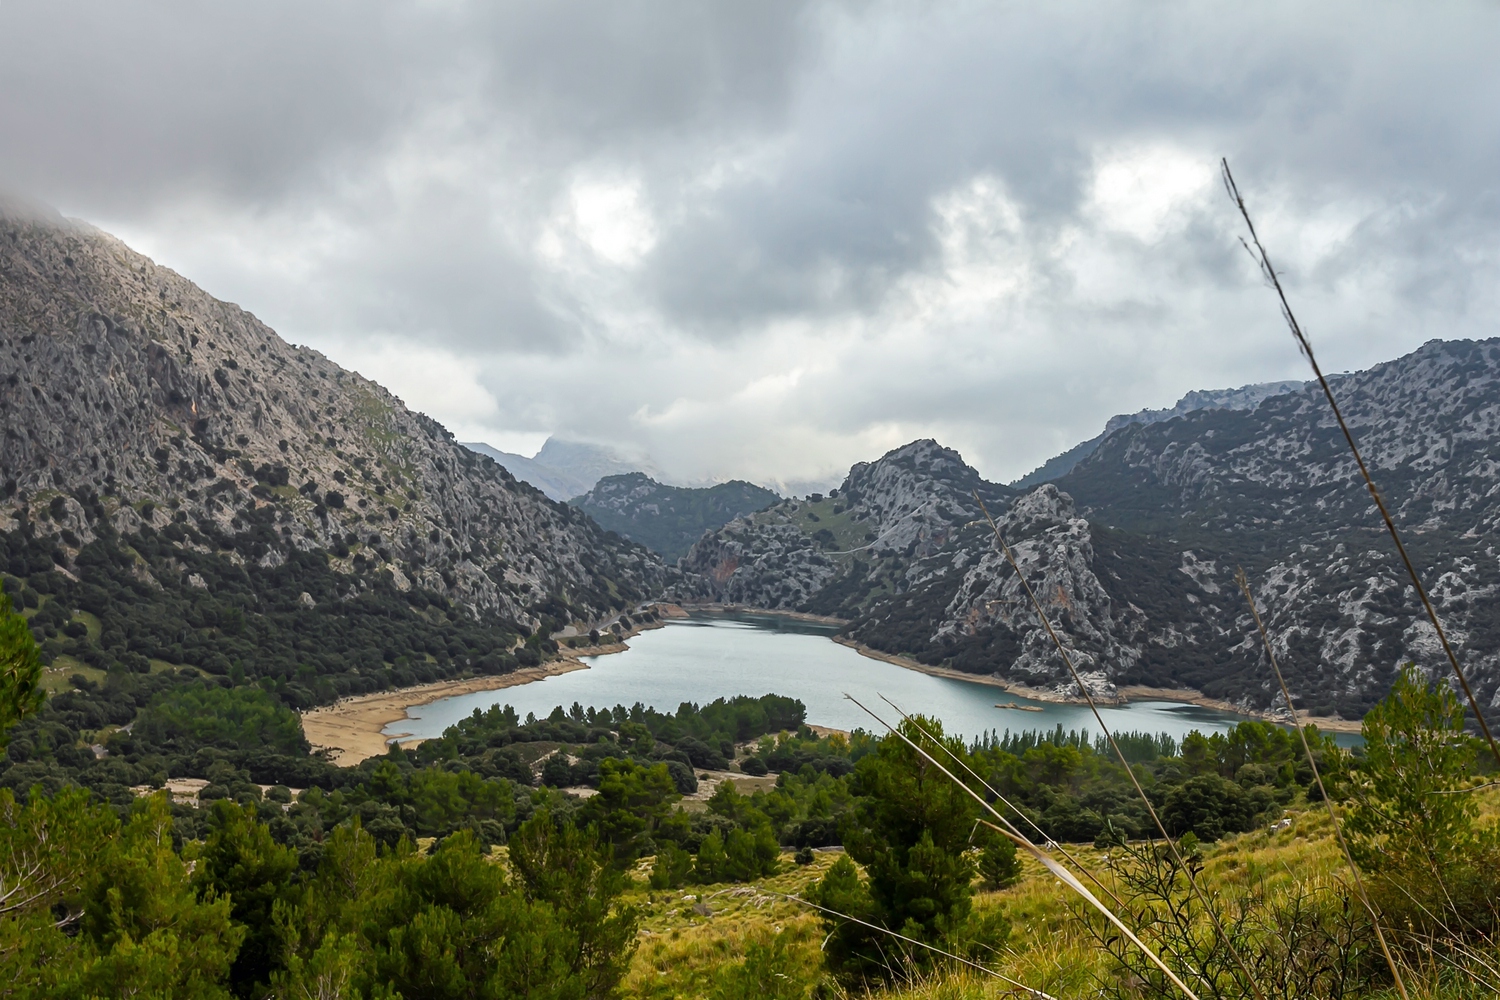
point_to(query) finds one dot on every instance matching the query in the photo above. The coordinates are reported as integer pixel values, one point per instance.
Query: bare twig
(1338, 830)
(1258, 252)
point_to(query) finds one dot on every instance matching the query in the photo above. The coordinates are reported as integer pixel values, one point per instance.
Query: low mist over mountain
(158, 439)
(668, 519)
(1133, 551)
(565, 469)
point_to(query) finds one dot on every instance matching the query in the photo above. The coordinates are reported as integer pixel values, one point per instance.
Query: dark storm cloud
(784, 236)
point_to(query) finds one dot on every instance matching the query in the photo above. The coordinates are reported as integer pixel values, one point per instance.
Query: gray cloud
(771, 239)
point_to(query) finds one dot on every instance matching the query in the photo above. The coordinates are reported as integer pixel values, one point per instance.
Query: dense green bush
(229, 718)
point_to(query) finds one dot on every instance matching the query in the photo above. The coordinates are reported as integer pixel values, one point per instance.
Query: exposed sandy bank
(354, 728)
(1326, 723)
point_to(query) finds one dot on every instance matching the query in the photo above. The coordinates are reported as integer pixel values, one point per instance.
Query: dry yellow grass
(1050, 947)
(682, 947)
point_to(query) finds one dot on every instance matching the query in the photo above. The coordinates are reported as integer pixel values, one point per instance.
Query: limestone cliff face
(1054, 548)
(902, 549)
(123, 381)
(1276, 491)
(833, 553)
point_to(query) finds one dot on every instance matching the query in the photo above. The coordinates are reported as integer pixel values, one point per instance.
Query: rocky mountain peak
(1043, 509)
(916, 493)
(1133, 553)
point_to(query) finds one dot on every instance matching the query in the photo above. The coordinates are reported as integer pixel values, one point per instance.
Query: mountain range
(1246, 397)
(213, 496)
(1133, 548)
(668, 519)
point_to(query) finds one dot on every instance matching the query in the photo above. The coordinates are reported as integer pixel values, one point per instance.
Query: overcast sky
(768, 240)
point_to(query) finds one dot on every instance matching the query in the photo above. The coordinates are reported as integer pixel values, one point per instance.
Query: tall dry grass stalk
(1263, 260)
(1010, 832)
(1062, 650)
(1338, 830)
(1006, 802)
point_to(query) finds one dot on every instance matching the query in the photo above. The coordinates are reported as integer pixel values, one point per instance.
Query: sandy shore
(1127, 692)
(354, 728)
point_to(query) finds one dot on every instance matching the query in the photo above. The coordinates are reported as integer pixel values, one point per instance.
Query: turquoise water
(702, 658)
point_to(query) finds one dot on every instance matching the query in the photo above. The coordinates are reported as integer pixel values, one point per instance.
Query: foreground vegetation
(579, 855)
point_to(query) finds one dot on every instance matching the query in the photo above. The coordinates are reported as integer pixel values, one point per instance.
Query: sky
(768, 240)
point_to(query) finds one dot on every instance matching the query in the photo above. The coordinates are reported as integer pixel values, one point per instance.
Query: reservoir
(701, 658)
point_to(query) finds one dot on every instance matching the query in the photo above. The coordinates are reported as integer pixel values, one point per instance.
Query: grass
(682, 949)
(55, 679)
(811, 517)
(1050, 947)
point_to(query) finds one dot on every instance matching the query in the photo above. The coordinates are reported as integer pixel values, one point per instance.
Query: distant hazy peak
(566, 469)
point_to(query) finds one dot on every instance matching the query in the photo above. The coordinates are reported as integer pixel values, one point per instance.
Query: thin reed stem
(1047, 861)
(1062, 650)
(1263, 260)
(1338, 830)
(1008, 804)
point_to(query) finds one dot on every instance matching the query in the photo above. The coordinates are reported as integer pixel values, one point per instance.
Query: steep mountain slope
(135, 405)
(1246, 397)
(1275, 490)
(565, 469)
(1133, 553)
(841, 553)
(668, 519)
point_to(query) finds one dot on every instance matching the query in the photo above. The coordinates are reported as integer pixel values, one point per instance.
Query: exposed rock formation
(833, 554)
(1246, 397)
(1133, 553)
(125, 382)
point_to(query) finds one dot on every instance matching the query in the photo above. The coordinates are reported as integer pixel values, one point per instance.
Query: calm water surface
(702, 658)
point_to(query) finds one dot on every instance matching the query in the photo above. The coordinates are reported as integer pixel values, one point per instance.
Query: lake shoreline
(353, 729)
(1125, 692)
